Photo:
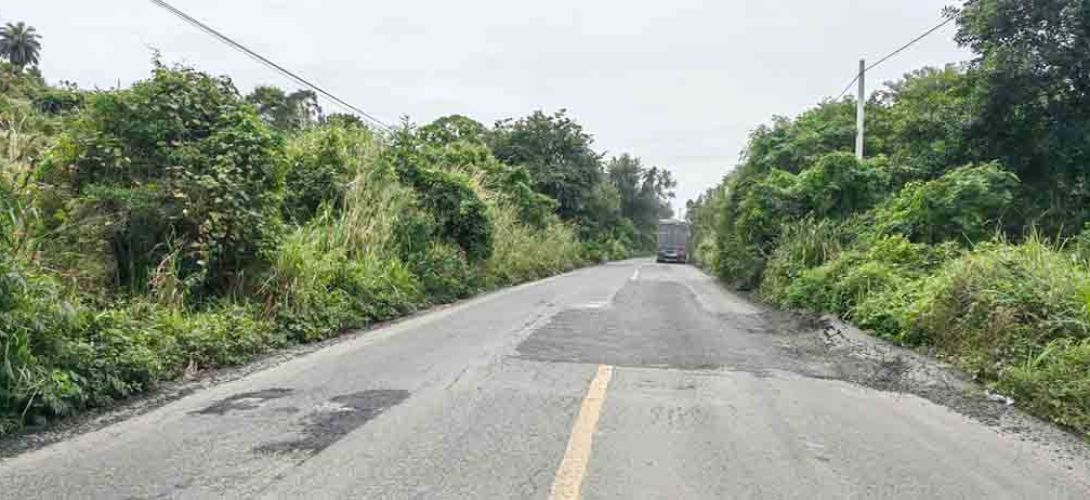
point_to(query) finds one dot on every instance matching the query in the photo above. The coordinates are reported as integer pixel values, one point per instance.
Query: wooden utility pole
(860, 108)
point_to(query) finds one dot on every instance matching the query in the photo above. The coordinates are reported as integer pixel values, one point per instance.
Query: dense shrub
(967, 204)
(459, 215)
(839, 185)
(178, 157)
(738, 263)
(805, 244)
(35, 316)
(758, 208)
(458, 143)
(1003, 303)
(222, 335)
(61, 356)
(320, 163)
(864, 284)
(315, 290)
(444, 272)
(755, 211)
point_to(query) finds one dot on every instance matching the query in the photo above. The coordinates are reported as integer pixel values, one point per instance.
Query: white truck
(673, 241)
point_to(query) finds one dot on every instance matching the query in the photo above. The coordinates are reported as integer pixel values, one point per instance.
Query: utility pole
(860, 107)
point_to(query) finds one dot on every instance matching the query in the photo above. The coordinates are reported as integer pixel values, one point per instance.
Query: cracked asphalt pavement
(626, 380)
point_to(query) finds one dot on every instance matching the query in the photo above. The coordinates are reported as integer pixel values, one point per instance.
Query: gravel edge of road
(876, 363)
(943, 384)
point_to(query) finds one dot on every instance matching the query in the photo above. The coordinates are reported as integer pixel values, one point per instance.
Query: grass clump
(1055, 383)
(523, 254)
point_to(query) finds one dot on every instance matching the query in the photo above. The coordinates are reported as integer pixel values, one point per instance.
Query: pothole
(332, 420)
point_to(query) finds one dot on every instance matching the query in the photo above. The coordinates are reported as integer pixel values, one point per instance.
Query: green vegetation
(960, 233)
(176, 226)
(20, 45)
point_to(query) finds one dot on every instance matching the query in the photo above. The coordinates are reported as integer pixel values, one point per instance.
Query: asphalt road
(627, 380)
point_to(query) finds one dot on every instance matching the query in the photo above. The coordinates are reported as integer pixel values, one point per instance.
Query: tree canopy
(286, 111)
(557, 153)
(20, 45)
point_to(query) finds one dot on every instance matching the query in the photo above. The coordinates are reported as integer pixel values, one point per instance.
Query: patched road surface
(626, 380)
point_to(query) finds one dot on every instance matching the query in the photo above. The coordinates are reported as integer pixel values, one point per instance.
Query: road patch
(244, 401)
(654, 323)
(331, 421)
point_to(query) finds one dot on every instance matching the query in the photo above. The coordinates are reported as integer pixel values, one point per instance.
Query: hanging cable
(263, 60)
(894, 53)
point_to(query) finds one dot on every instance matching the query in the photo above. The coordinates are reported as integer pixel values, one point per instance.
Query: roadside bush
(457, 143)
(885, 311)
(804, 245)
(61, 356)
(222, 335)
(35, 318)
(180, 155)
(442, 269)
(444, 273)
(706, 253)
(607, 247)
(737, 263)
(867, 277)
(758, 208)
(516, 187)
(1002, 304)
(460, 216)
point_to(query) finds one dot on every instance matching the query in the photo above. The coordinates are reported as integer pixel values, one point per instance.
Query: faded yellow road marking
(569, 477)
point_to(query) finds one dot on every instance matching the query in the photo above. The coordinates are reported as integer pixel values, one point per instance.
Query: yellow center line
(569, 477)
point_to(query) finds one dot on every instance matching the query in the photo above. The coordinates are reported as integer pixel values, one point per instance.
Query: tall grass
(341, 269)
(805, 244)
(521, 253)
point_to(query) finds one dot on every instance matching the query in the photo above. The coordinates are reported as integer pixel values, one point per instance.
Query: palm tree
(20, 44)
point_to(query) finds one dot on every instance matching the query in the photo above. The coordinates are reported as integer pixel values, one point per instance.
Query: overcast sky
(679, 83)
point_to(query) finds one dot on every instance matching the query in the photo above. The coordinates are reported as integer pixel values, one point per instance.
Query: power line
(259, 58)
(894, 53)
